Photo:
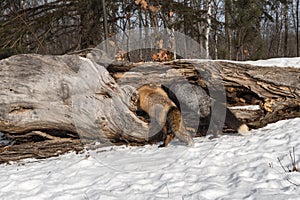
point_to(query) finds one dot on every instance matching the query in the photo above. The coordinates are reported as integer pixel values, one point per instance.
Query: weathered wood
(276, 90)
(38, 150)
(65, 95)
(59, 99)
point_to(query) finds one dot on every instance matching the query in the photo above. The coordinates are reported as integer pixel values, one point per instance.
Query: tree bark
(61, 99)
(286, 29)
(65, 96)
(275, 90)
(208, 27)
(228, 29)
(105, 24)
(297, 28)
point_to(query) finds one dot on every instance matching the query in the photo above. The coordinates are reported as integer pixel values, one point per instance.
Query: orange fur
(156, 103)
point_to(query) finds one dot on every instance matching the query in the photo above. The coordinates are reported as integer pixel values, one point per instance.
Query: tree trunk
(286, 29)
(208, 27)
(275, 90)
(105, 24)
(228, 29)
(60, 99)
(65, 96)
(216, 56)
(297, 28)
(197, 5)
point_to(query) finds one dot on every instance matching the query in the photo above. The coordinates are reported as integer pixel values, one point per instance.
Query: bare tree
(228, 31)
(208, 26)
(286, 29)
(244, 29)
(105, 22)
(297, 27)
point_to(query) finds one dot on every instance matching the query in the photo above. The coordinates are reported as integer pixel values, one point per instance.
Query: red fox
(155, 102)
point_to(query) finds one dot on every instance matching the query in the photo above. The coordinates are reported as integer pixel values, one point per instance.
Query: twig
(281, 164)
(296, 184)
(34, 35)
(293, 158)
(294, 168)
(294, 155)
(168, 190)
(81, 51)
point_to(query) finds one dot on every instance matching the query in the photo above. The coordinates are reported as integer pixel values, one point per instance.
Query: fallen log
(38, 150)
(65, 96)
(60, 99)
(275, 89)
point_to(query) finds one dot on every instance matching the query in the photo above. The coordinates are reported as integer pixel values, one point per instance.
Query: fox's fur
(156, 103)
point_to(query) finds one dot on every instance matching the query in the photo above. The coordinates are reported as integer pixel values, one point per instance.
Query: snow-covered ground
(229, 167)
(278, 62)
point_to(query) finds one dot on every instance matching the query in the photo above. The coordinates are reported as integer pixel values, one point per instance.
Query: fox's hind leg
(176, 126)
(168, 138)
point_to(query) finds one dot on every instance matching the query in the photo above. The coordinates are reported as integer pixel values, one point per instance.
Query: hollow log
(63, 98)
(275, 90)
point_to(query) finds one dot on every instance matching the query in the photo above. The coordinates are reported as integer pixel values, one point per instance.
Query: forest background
(224, 29)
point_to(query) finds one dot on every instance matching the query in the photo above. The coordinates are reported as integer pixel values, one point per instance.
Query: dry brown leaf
(246, 52)
(155, 9)
(144, 4)
(162, 55)
(154, 57)
(120, 55)
(137, 2)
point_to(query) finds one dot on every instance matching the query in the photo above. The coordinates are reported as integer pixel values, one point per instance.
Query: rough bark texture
(58, 99)
(276, 90)
(38, 150)
(52, 97)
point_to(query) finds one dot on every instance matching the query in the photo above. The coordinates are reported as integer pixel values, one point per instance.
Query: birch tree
(208, 26)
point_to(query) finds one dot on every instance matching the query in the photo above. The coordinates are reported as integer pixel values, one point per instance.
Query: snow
(278, 62)
(229, 167)
(250, 107)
